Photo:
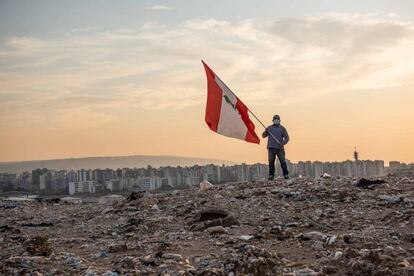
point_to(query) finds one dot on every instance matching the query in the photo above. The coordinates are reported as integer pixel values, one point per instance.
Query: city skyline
(110, 78)
(104, 180)
(214, 161)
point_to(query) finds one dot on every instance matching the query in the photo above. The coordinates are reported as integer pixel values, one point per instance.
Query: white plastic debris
(314, 235)
(337, 255)
(205, 185)
(326, 175)
(331, 240)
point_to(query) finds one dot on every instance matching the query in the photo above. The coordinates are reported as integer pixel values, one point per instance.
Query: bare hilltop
(302, 226)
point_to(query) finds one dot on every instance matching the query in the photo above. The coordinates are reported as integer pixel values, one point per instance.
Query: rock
(409, 237)
(391, 198)
(38, 246)
(175, 257)
(212, 217)
(117, 247)
(348, 238)
(218, 196)
(128, 262)
(205, 185)
(216, 230)
(313, 235)
(246, 237)
(337, 255)
(107, 210)
(17, 261)
(408, 199)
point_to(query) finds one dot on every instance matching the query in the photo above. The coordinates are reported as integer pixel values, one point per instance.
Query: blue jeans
(272, 158)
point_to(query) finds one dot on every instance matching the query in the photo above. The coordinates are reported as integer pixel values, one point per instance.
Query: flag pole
(277, 140)
(248, 109)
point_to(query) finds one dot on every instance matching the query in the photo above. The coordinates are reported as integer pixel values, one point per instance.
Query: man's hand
(265, 133)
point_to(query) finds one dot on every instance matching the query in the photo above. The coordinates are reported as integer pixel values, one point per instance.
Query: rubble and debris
(368, 183)
(306, 226)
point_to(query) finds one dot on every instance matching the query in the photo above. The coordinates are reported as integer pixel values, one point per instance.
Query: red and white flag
(225, 113)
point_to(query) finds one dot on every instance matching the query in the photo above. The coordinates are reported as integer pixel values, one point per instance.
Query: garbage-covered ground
(301, 226)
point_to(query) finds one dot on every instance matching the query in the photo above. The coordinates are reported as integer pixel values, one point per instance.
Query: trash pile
(301, 226)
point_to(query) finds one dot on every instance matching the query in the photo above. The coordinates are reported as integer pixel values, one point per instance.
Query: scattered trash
(308, 226)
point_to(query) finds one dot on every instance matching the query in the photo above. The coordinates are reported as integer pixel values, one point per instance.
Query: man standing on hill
(277, 138)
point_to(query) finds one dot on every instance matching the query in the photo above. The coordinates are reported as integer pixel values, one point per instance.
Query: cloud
(157, 67)
(157, 8)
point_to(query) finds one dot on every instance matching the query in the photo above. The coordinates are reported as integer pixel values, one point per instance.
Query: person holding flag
(227, 115)
(277, 139)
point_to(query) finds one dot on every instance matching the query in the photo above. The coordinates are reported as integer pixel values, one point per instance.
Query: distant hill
(113, 162)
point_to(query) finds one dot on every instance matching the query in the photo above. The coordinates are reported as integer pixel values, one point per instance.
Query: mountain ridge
(112, 162)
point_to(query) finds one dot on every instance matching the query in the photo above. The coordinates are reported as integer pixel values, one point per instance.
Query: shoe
(286, 176)
(271, 177)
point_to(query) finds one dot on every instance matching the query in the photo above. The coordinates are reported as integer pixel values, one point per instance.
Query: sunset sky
(105, 78)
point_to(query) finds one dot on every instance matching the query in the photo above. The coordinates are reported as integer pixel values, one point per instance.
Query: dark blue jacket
(279, 132)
